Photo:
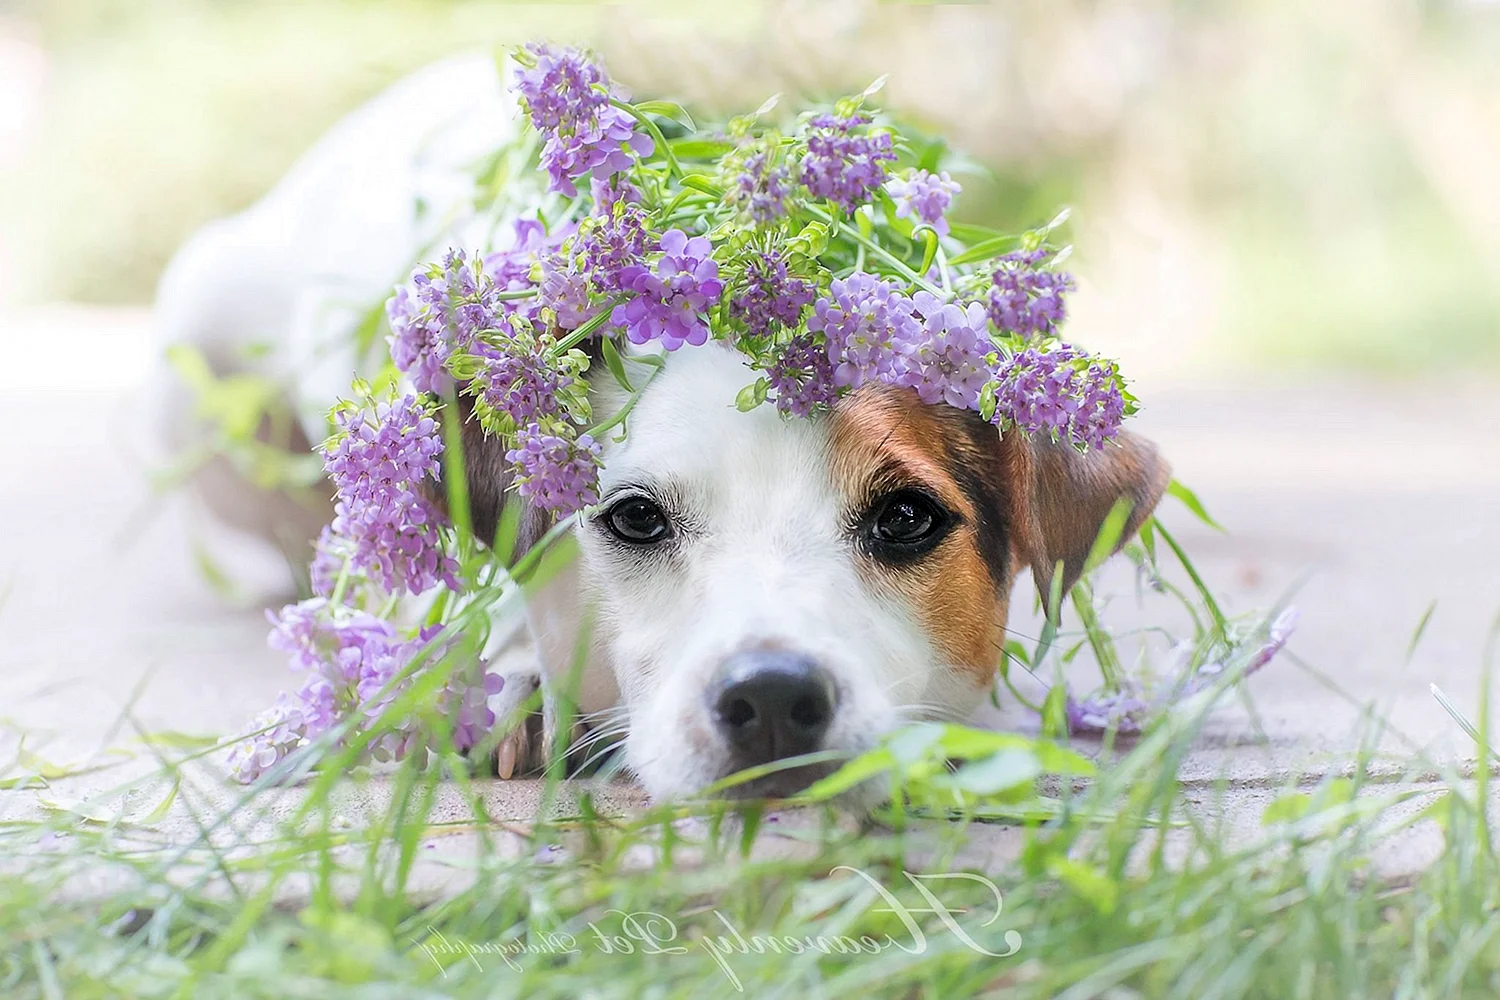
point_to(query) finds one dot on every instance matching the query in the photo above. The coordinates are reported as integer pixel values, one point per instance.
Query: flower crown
(809, 252)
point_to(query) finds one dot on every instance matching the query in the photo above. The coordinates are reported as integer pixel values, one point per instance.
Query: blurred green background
(1255, 184)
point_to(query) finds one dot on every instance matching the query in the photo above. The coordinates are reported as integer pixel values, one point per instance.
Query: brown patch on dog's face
(902, 465)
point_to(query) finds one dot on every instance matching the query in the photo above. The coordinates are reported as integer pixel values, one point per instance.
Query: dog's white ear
(1060, 499)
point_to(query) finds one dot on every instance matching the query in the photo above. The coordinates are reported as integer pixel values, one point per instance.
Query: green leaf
(1054, 712)
(615, 363)
(668, 109)
(1148, 539)
(999, 772)
(1190, 500)
(1110, 533)
(915, 743)
(752, 395)
(1416, 637)
(1085, 880)
(693, 148)
(162, 808)
(811, 241)
(860, 769)
(172, 739)
(93, 812)
(988, 400)
(767, 106)
(969, 233)
(698, 182)
(1286, 809)
(988, 248)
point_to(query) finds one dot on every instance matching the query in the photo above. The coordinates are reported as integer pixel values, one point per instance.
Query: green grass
(1118, 883)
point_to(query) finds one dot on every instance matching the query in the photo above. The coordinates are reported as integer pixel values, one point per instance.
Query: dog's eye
(638, 520)
(905, 524)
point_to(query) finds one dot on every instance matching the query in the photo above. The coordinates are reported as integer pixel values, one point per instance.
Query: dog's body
(755, 587)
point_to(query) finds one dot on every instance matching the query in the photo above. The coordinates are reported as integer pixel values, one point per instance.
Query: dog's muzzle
(770, 704)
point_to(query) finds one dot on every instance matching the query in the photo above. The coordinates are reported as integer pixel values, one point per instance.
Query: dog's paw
(521, 749)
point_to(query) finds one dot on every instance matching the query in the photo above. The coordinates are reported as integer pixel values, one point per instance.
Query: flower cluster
(1133, 709)
(670, 300)
(949, 360)
(925, 197)
(356, 665)
(518, 379)
(568, 99)
(842, 166)
(377, 461)
(1025, 300)
(866, 323)
(555, 472)
(612, 239)
(771, 298)
(801, 377)
(1060, 392)
(761, 188)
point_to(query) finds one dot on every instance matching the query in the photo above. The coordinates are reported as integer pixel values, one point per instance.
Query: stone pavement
(1379, 498)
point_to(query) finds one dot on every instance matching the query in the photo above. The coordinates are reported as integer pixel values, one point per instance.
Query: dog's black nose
(770, 704)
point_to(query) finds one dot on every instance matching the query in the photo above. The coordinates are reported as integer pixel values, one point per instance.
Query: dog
(753, 588)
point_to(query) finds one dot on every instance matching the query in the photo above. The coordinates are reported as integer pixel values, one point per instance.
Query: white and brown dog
(758, 588)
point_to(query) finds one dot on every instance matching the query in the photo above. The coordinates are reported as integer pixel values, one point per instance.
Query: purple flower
(466, 706)
(564, 290)
(354, 664)
(377, 460)
(445, 309)
(866, 323)
(611, 191)
(925, 196)
(330, 552)
(612, 241)
(670, 301)
(556, 473)
(802, 377)
(1129, 711)
(1124, 712)
(521, 379)
(441, 309)
(948, 361)
(282, 732)
(1027, 301)
(772, 298)
(841, 166)
(1060, 392)
(567, 97)
(760, 189)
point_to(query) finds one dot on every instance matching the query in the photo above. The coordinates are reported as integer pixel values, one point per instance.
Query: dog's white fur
(764, 557)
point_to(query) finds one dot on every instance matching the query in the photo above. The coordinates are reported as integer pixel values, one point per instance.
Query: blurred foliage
(1274, 182)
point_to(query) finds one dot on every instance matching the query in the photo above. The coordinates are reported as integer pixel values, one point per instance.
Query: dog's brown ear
(488, 475)
(1061, 498)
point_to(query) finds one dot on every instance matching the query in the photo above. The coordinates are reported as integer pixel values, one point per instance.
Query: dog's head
(765, 587)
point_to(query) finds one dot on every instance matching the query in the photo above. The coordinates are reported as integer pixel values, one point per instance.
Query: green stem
(930, 251)
(942, 263)
(876, 249)
(619, 418)
(1220, 623)
(585, 331)
(1099, 640)
(341, 585)
(456, 481)
(661, 141)
(520, 293)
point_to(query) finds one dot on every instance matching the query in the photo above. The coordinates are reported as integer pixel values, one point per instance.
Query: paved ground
(1377, 498)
